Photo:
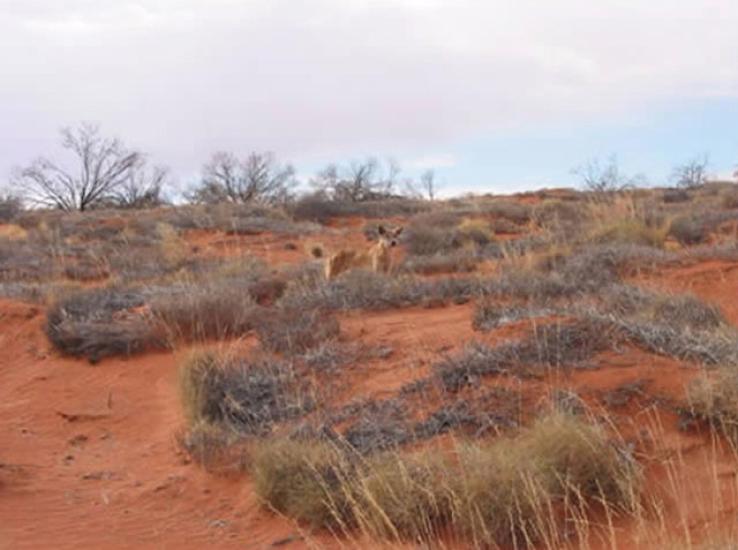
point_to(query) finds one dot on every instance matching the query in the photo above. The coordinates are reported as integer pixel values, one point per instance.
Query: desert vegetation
(487, 391)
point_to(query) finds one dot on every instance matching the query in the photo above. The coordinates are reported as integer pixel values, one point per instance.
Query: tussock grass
(401, 497)
(475, 231)
(507, 491)
(516, 491)
(578, 457)
(713, 399)
(428, 240)
(630, 231)
(305, 480)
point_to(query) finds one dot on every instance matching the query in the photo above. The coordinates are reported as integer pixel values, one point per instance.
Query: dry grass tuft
(630, 231)
(516, 491)
(511, 491)
(713, 399)
(401, 497)
(303, 480)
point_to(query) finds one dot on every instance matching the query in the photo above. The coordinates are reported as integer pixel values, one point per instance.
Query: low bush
(592, 267)
(688, 230)
(474, 231)
(10, 208)
(193, 312)
(295, 331)
(247, 396)
(711, 347)
(554, 345)
(24, 261)
(320, 208)
(516, 212)
(688, 311)
(489, 315)
(427, 240)
(555, 213)
(460, 261)
(101, 323)
(214, 448)
(730, 199)
(677, 195)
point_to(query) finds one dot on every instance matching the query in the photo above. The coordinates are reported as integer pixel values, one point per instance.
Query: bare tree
(605, 178)
(143, 187)
(258, 178)
(428, 184)
(10, 207)
(104, 165)
(691, 174)
(359, 181)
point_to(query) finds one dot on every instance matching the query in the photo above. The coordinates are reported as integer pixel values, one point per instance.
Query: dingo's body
(377, 257)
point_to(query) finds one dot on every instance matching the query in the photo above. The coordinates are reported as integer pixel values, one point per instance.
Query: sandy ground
(89, 459)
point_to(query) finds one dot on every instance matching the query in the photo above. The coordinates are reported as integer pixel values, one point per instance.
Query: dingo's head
(387, 237)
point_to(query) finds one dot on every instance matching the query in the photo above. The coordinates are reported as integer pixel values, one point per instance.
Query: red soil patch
(89, 459)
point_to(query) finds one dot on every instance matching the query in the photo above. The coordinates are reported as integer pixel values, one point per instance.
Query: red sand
(88, 456)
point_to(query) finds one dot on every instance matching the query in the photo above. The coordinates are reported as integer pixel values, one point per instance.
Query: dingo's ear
(381, 230)
(398, 231)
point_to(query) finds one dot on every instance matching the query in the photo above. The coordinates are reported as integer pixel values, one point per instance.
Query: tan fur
(378, 257)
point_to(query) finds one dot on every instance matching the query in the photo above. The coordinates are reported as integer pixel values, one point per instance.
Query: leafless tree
(10, 207)
(143, 187)
(258, 178)
(605, 178)
(691, 174)
(428, 185)
(104, 165)
(359, 181)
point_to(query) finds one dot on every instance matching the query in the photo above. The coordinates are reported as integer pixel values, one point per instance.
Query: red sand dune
(88, 456)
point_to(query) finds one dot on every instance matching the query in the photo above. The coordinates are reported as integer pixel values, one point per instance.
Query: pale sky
(496, 95)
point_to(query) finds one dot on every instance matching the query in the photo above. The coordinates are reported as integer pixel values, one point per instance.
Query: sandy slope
(88, 456)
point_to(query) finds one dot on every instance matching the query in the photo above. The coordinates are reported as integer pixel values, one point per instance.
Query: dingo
(377, 256)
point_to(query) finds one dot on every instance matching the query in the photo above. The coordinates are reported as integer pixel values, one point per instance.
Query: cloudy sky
(497, 95)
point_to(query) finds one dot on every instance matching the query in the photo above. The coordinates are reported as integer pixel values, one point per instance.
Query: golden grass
(13, 232)
(173, 248)
(305, 481)
(508, 491)
(630, 231)
(713, 398)
(196, 377)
